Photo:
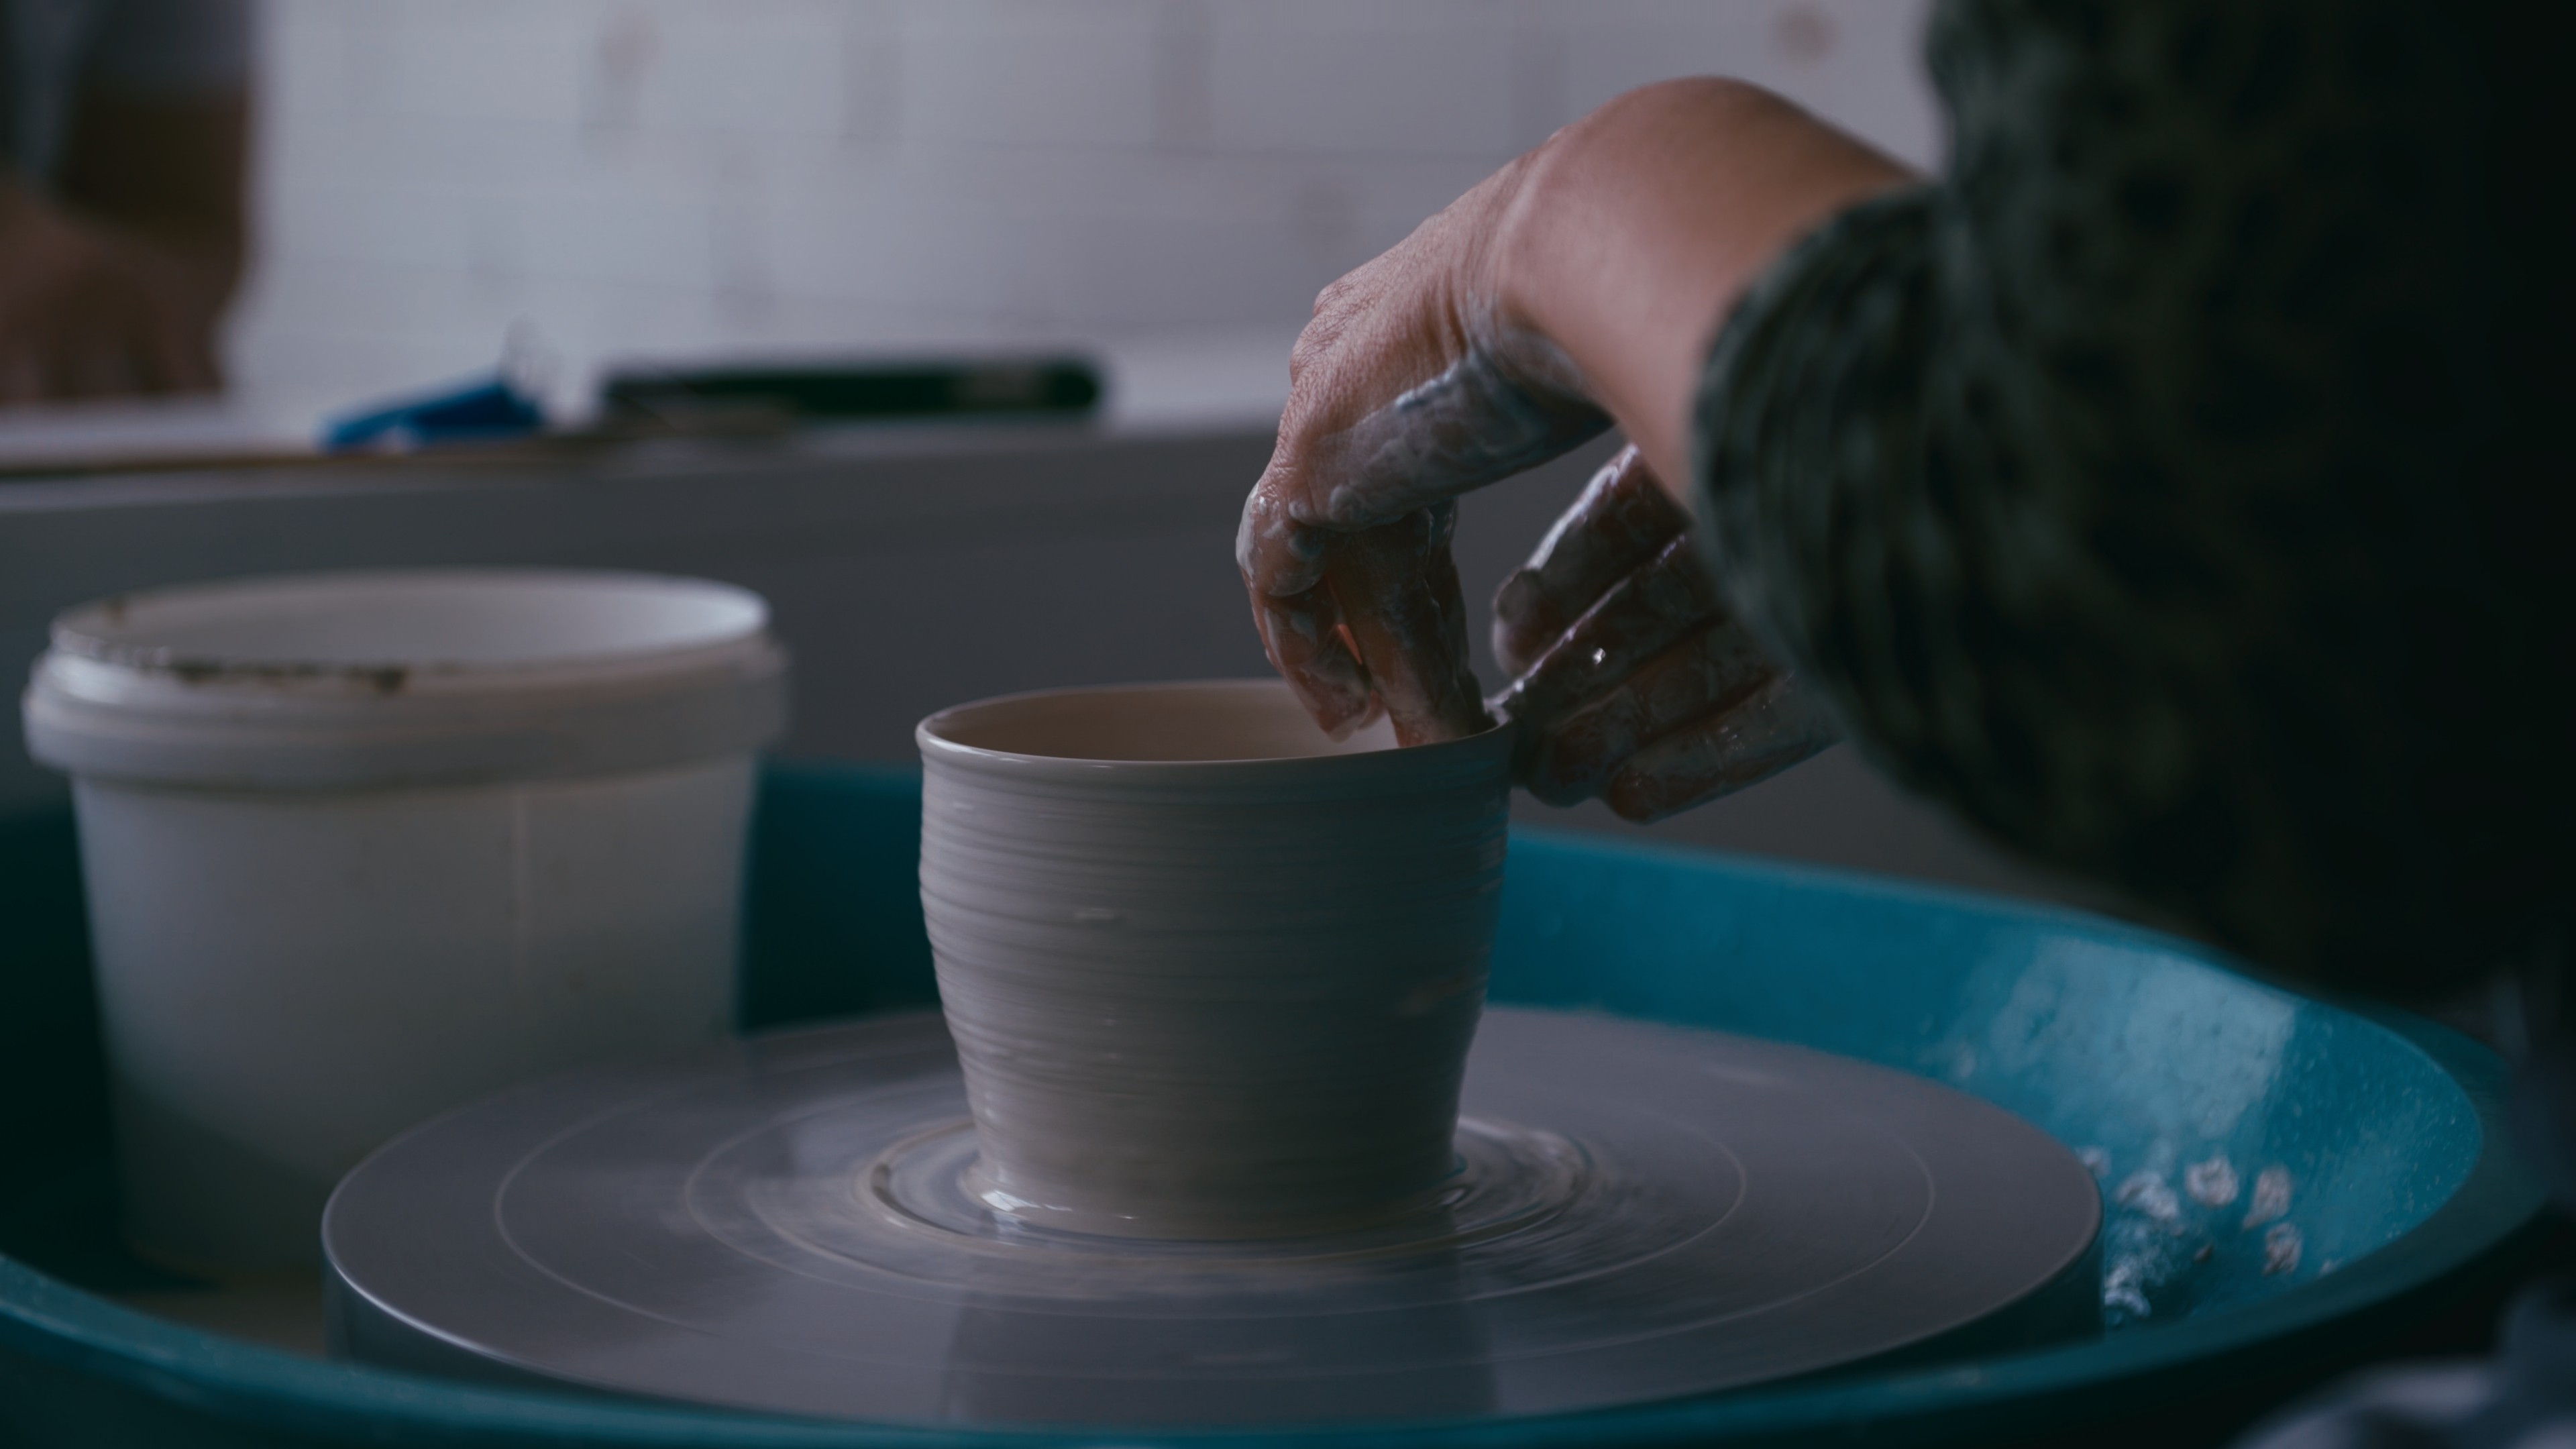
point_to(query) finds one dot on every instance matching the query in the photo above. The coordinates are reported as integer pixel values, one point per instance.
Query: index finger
(1622, 520)
(1642, 614)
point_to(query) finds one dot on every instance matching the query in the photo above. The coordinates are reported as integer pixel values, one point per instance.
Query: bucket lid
(395, 677)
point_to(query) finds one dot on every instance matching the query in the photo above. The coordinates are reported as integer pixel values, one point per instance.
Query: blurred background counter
(910, 568)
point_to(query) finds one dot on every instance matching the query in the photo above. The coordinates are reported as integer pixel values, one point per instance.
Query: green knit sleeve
(2116, 488)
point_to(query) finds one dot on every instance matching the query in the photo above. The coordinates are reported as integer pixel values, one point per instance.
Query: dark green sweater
(2169, 488)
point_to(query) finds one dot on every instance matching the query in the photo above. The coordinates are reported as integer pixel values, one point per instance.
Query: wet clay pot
(1210, 973)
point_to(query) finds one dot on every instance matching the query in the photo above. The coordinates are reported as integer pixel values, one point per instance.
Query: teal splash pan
(2285, 1182)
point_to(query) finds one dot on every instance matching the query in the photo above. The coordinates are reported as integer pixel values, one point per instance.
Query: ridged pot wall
(1207, 998)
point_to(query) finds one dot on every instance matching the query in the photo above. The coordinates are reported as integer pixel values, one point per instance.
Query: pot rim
(1493, 742)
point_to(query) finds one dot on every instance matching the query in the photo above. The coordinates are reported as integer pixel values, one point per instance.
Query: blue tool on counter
(486, 408)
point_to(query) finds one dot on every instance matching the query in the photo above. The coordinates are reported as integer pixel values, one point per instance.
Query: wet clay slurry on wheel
(1641, 1212)
(1211, 973)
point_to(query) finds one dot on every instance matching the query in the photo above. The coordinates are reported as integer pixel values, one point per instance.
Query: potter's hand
(1580, 284)
(1412, 384)
(1633, 681)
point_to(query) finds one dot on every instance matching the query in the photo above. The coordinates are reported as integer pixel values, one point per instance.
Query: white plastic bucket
(361, 847)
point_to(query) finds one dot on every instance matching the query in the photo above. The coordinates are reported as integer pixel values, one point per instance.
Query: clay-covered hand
(1411, 385)
(1632, 680)
(1579, 284)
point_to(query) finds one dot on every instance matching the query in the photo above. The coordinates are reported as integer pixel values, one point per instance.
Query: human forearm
(1635, 230)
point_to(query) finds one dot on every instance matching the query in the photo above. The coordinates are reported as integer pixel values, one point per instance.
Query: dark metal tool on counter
(1037, 388)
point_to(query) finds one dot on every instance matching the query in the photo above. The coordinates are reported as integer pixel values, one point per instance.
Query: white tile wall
(720, 175)
(1358, 80)
(1082, 76)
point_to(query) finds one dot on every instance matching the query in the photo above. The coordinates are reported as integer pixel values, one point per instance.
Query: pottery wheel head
(1636, 1212)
